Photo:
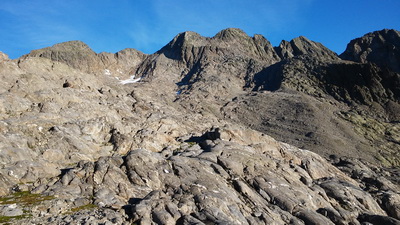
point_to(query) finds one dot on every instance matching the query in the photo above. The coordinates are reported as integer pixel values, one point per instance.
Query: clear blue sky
(147, 25)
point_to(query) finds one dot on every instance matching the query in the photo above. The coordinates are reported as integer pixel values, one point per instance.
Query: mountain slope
(379, 47)
(80, 56)
(189, 143)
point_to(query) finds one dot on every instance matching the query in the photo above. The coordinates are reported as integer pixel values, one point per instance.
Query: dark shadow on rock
(204, 140)
(195, 139)
(213, 134)
(173, 50)
(270, 78)
(134, 201)
(378, 219)
(128, 209)
(64, 171)
(186, 80)
(363, 83)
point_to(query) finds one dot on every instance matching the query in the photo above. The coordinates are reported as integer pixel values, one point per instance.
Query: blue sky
(148, 25)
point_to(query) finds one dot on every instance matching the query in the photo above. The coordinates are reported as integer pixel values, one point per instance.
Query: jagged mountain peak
(230, 41)
(190, 38)
(186, 38)
(182, 41)
(304, 46)
(231, 33)
(382, 35)
(379, 47)
(191, 144)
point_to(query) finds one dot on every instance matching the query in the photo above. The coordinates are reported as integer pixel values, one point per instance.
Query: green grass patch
(84, 207)
(24, 198)
(8, 219)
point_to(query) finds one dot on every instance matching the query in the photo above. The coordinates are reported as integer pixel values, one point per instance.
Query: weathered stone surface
(181, 146)
(245, 185)
(80, 56)
(3, 57)
(379, 47)
(11, 210)
(304, 46)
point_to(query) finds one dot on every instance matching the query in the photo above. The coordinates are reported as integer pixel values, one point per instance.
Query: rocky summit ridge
(208, 130)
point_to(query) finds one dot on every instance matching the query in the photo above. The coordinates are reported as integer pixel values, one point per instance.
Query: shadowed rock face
(379, 47)
(213, 133)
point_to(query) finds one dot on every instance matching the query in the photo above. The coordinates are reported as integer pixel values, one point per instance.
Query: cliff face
(197, 133)
(379, 47)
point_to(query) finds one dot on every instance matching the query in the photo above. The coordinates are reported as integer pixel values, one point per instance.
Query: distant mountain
(207, 130)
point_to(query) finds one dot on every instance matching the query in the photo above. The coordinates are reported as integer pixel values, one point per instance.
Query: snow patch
(131, 80)
(107, 72)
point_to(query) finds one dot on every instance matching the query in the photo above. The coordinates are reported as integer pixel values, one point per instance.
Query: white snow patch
(200, 186)
(107, 72)
(131, 80)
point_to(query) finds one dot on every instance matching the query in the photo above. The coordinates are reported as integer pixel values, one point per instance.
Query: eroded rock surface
(186, 139)
(252, 181)
(379, 47)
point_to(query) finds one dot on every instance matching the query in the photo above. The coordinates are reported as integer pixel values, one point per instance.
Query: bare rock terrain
(208, 130)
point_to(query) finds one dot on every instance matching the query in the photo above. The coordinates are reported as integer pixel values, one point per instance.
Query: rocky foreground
(197, 133)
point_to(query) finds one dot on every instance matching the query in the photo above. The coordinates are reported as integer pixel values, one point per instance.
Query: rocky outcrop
(353, 83)
(189, 143)
(338, 89)
(80, 56)
(3, 57)
(74, 53)
(379, 47)
(255, 180)
(190, 46)
(303, 46)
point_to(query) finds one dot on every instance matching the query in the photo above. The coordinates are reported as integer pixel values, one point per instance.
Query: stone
(379, 47)
(11, 210)
(3, 57)
(218, 130)
(391, 203)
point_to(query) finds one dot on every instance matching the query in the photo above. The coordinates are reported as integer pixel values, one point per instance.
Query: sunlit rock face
(207, 130)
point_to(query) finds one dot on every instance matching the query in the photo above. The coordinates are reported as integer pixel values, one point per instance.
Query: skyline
(147, 26)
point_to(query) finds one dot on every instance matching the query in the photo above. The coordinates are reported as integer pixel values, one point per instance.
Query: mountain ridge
(231, 63)
(223, 130)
